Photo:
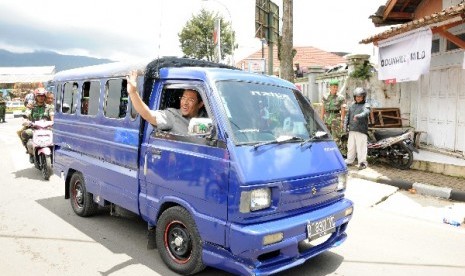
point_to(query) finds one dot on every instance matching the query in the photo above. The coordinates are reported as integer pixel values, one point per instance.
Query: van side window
(69, 97)
(171, 98)
(59, 96)
(90, 97)
(132, 111)
(116, 98)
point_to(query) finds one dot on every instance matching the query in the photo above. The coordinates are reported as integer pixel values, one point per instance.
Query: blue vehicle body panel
(314, 167)
(243, 258)
(126, 162)
(197, 175)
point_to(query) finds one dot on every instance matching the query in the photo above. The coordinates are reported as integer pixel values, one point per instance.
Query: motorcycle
(394, 147)
(40, 147)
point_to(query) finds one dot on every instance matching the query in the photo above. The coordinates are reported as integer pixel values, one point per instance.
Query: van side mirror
(200, 126)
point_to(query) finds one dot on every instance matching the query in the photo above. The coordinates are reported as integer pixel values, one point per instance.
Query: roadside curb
(420, 188)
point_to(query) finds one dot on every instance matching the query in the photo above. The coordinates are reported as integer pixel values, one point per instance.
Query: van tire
(81, 201)
(178, 241)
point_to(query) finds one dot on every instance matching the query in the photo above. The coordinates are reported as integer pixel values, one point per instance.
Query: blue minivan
(255, 187)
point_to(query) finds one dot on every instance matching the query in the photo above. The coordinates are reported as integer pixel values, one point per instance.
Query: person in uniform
(39, 111)
(333, 112)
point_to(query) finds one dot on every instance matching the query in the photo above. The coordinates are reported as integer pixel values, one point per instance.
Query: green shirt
(333, 103)
(42, 112)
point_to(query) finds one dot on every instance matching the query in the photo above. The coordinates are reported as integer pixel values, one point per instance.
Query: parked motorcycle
(394, 147)
(40, 147)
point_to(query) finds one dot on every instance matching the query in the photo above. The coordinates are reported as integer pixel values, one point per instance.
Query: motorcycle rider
(38, 111)
(357, 124)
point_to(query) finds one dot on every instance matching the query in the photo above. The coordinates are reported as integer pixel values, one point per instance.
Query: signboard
(256, 65)
(267, 20)
(405, 57)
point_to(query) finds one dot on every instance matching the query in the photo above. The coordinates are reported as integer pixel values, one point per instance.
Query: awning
(25, 78)
(439, 23)
(26, 74)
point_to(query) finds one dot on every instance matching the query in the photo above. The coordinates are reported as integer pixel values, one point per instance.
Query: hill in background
(42, 58)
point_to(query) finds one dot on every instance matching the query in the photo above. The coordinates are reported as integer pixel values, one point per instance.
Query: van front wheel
(82, 202)
(178, 241)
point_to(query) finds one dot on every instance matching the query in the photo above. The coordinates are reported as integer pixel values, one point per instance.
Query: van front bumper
(248, 255)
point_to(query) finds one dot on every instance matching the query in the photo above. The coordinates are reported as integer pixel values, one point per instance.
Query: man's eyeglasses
(189, 100)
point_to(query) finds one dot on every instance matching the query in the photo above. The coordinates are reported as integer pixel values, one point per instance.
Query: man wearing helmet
(333, 112)
(39, 110)
(357, 125)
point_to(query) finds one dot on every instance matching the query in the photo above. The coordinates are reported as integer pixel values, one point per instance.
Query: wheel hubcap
(178, 242)
(78, 195)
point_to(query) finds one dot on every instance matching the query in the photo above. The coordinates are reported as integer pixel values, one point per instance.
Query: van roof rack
(153, 68)
(152, 71)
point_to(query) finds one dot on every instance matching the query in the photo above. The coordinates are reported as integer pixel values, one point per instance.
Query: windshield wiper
(279, 140)
(318, 136)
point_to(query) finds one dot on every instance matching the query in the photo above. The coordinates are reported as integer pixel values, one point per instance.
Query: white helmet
(359, 91)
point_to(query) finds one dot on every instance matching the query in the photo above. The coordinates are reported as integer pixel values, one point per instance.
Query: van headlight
(255, 200)
(341, 181)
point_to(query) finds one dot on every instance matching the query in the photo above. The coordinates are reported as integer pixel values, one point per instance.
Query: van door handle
(156, 152)
(145, 164)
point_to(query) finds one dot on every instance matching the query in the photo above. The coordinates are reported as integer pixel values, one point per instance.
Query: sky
(139, 30)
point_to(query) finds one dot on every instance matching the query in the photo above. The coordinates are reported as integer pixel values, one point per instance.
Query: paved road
(392, 232)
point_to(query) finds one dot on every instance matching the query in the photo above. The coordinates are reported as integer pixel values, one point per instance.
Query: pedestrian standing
(333, 112)
(2, 110)
(357, 125)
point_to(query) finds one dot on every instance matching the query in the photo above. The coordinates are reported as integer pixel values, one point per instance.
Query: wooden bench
(385, 117)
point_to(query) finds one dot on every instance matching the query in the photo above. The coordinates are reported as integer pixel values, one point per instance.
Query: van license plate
(321, 227)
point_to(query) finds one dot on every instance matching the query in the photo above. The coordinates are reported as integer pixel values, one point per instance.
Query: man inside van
(172, 119)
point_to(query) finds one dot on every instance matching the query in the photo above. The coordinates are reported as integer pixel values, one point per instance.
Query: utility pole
(270, 44)
(286, 48)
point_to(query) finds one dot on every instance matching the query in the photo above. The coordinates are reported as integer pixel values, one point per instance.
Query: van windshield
(260, 113)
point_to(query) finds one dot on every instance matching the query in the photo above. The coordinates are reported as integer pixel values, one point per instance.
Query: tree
(286, 51)
(196, 37)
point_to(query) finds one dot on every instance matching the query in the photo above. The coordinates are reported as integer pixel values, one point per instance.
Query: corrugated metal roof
(453, 13)
(26, 74)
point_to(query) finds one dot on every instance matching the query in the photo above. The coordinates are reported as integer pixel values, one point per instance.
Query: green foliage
(196, 37)
(362, 72)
